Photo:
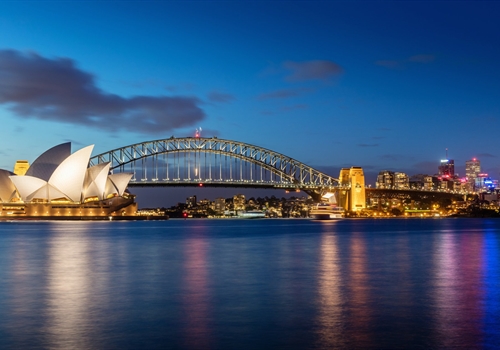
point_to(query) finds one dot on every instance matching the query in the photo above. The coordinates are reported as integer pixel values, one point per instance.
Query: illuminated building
(220, 206)
(447, 168)
(21, 167)
(401, 181)
(472, 170)
(191, 201)
(484, 183)
(385, 180)
(59, 183)
(239, 202)
(392, 180)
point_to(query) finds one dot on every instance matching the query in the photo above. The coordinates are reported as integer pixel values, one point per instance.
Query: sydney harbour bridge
(213, 162)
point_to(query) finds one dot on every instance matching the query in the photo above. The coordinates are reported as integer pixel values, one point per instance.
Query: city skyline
(384, 86)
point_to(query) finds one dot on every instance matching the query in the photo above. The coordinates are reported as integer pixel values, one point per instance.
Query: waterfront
(227, 284)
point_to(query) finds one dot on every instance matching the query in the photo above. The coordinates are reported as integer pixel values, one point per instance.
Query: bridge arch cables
(211, 161)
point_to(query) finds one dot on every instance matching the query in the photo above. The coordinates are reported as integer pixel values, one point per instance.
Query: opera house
(61, 185)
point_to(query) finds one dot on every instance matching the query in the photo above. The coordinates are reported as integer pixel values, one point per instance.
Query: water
(243, 284)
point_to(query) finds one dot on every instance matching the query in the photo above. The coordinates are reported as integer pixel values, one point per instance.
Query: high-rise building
(220, 205)
(385, 179)
(239, 202)
(472, 170)
(191, 201)
(447, 168)
(392, 180)
(401, 181)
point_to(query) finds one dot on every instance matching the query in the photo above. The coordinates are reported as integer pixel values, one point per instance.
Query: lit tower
(472, 170)
(358, 197)
(21, 167)
(447, 167)
(352, 189)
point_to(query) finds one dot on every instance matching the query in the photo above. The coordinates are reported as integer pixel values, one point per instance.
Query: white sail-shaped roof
(27, 185)
(46, 192)
(45, 165)
(69, 176)
(95, 181)
(117, 183)
(7, 188)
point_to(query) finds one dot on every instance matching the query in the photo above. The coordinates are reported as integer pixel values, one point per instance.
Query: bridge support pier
(352, 195)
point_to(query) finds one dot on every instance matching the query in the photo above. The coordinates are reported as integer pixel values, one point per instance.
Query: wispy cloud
(78, 143)
(422, 58)
(486, 155)
(425, 167)
(391, 64)
(368, 144)
(294, 107)
(401, 64)
(312, 70)
(217, 96)
(395, 157)
(284, 93)
(33, 86)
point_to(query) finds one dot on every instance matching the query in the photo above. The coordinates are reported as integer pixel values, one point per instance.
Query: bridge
(213, 162)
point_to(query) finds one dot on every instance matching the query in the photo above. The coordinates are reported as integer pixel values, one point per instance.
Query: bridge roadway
(289, 186)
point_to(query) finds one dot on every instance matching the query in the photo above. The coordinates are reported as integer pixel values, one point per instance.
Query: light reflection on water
(226, 284)
(330, 294)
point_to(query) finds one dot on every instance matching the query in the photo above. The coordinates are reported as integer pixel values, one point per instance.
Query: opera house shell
(60, 184)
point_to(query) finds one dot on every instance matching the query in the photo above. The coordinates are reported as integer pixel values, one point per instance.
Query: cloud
(77, 143)
(378, 137)
(368, 145)
(391, 64)
(425, 167)
(267, 113)
(312, 70)
(396, 157)
(294, 107)
(216, 96)
(422, 58)
(33, 86)
(284, 93)
(401, 64)
(485, 155)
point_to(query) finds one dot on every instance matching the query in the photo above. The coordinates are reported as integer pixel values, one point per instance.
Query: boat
(327, 211)
(251, 214)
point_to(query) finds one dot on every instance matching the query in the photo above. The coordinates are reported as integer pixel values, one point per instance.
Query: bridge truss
(197, 161)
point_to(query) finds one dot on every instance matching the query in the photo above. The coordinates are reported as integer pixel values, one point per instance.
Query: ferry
(251, 214)
(327, 211)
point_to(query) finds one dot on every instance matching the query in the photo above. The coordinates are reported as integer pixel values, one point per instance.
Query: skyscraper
(447, 168)
(472, 170)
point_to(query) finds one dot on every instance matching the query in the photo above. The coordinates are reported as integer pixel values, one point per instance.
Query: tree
(396, 212)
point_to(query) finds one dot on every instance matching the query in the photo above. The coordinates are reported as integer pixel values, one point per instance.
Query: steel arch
(286, 167)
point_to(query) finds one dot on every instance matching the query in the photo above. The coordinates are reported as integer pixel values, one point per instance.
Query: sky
(384, 85)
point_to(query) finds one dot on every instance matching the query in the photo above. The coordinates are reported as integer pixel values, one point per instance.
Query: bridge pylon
(351, 191)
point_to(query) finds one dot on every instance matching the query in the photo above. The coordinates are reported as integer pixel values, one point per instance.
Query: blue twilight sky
(382, 85)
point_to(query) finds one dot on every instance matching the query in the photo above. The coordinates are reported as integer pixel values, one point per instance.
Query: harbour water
(250, 284)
